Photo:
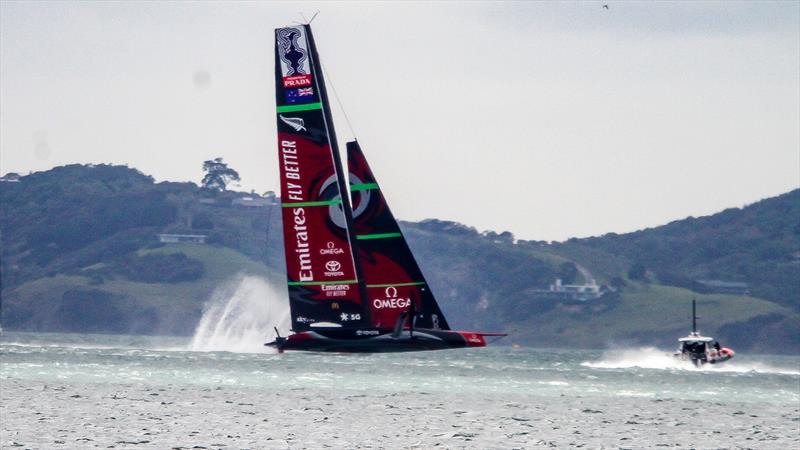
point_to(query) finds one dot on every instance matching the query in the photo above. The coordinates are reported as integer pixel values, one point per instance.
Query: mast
(346, 207)
(694, 316)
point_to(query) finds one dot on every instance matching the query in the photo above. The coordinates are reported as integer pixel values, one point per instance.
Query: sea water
(95, 391)
(223, 389)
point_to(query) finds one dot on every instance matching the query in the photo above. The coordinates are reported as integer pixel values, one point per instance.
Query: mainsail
(392, 277)
(321, 269)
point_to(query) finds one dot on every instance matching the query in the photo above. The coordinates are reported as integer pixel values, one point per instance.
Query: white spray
(240, 316)
(653, 358)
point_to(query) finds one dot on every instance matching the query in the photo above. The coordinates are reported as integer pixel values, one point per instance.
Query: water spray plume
(653, 358)
(241, 316)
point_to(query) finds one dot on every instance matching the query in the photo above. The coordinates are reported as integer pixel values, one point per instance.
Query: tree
(567, 271)
(637, 272)
(218, 175)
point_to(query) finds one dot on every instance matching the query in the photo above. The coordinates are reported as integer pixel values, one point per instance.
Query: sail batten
(362, 237)
(294, 108)
(316, 203)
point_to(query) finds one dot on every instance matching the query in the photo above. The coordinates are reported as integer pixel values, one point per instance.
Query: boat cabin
(697, 344)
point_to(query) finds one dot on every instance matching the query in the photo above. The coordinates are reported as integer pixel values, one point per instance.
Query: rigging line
(338, 101)
(307, 22)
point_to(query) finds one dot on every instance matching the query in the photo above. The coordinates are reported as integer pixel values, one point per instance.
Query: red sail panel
(390, 272)
(320, 267)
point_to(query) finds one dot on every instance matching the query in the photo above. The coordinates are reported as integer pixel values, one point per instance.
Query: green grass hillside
(646, 314)
(119, 305)
(758, 244)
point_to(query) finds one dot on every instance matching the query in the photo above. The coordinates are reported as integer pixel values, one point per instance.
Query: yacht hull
(374, 340)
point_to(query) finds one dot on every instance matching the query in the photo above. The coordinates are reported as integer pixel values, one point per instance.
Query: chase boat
(701, 349)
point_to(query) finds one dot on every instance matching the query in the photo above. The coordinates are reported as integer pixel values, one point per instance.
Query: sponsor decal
(295, 122)
(335, 290)
(292, 172)
(330, 188)
(333, 269)
(297, 81)
(301, 95)
(301, 319)
(293, 52)
(331, 249)
(335, 287)
(474, 338)
(345, 317)
(363, 197)
(391, 300)
(367, 332)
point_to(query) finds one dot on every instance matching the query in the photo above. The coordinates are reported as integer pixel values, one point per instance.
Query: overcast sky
(550, 120)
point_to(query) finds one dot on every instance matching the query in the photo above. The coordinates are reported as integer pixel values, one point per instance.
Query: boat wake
(240, 317)
(653, 358)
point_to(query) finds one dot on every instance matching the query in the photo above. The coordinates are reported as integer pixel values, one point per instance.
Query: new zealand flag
(300, 95)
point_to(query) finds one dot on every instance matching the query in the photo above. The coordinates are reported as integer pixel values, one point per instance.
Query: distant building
(182, 238)
(10, 178)
(252, 202)
(579, 292)
(722, 287)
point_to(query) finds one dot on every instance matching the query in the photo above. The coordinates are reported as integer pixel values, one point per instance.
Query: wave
(240, 317)
(653, 358)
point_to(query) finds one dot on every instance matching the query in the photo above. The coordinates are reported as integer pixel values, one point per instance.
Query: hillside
(758, 244)
(80, 253)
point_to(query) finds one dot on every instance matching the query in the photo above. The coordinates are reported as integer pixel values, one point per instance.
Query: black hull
(370, 340)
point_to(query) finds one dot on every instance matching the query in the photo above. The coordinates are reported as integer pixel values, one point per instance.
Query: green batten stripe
(317, 283)
(295, 108)
(363, 187)
(319, 203)
(414, 283)
(362, 237)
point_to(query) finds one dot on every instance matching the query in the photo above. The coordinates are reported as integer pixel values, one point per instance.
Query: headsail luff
(320, 264)
(391, 274)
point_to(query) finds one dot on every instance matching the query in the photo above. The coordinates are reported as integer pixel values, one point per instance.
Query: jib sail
(391, 275)
(320, 265)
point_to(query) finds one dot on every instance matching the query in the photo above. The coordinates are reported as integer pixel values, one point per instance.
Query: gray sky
(550, 120)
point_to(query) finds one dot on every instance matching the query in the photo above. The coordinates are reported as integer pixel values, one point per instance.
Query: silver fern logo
(294, 122)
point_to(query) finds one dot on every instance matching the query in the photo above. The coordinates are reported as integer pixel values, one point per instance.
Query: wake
(240, 317)
(653, 358)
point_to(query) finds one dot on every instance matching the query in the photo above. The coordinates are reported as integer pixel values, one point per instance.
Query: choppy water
(85, 391)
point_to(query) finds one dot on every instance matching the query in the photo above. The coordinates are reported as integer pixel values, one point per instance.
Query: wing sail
(392, 277)
(320, 264)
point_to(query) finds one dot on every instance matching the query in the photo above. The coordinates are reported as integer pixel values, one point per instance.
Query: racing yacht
(354, 284)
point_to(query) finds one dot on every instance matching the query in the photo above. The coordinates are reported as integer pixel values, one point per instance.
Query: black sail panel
(392, 276)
